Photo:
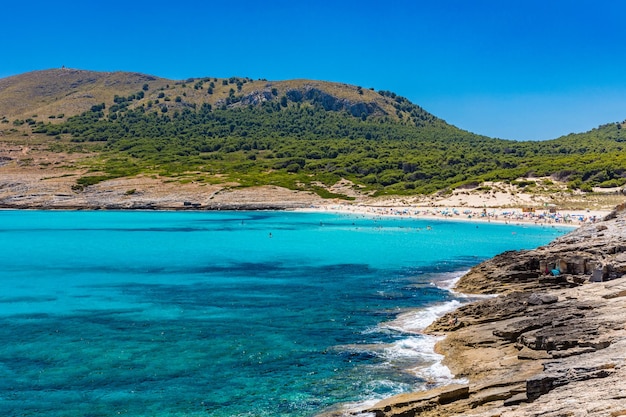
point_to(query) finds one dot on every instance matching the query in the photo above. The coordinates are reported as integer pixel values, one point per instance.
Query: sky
(523, 70)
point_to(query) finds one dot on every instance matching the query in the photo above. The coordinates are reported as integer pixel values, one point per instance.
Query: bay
(225, 313)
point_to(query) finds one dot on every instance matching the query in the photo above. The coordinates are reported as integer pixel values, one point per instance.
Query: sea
(233, 313)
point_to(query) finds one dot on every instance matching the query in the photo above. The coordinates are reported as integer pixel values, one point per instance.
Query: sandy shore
(491, 214)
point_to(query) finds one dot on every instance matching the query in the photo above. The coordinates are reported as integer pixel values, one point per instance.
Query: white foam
(355, 409)
(386, 387)
(417, 321)
(437, 374)
(450, 283)
(416, 348)
(420, 347)
(411, 347)
(422, 350)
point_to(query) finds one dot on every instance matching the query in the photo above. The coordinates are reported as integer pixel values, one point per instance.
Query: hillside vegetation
(298, 134)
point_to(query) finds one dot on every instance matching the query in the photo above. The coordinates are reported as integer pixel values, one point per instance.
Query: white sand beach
(491, 214)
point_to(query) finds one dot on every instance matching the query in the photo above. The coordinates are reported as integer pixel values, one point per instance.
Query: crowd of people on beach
(548, 216)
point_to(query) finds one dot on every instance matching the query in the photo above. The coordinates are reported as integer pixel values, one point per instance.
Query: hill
(70, 92)
(66, 92)
(300, 134)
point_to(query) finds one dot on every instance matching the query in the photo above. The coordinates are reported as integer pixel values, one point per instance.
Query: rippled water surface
(224, 313)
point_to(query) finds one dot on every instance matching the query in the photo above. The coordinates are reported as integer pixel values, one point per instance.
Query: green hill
(300, 134)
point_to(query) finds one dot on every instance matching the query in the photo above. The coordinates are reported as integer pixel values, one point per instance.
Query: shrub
(586, 188)
(293, 167)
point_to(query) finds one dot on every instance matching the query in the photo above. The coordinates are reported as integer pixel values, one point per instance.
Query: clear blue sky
(528, 69)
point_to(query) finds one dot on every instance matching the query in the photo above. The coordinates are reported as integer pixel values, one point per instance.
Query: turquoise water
(225, 313)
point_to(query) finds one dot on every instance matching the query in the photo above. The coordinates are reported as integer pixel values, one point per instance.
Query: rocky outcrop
(549, 345)
(256, 97)
(144, 193)
(331, 102)
(313, 95)
(596, 252)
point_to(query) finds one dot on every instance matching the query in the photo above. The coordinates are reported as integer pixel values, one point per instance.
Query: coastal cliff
(553, 343)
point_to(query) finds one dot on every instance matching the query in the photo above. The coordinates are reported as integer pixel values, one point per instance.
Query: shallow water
(225, 313)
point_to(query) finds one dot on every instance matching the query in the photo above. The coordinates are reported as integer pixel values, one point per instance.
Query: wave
(421, 347)
(415, 322)
(413, 352)
(448, 280)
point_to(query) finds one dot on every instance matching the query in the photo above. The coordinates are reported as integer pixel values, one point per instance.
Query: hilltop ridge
(72, 91)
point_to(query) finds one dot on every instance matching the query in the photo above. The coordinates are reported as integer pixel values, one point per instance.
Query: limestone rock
(536, 299)
(409, 404)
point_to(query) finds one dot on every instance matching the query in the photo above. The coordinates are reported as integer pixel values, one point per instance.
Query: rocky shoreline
(553, 343)
(143, 193)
